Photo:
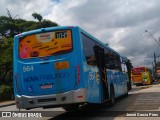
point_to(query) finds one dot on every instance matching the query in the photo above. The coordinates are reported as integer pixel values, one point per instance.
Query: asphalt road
(141, 98)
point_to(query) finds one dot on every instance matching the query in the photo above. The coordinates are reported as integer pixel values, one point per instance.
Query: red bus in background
(141, 76)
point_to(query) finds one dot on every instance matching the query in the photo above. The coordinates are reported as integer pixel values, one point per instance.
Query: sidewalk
(7, 103)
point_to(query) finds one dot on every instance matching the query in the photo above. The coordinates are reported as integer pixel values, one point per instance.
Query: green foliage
(9, 27)
(37, 16)
(48, 23)
(16, 26)
(6, 56)
(6, 92)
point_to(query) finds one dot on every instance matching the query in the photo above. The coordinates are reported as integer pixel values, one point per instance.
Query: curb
(144, 87)
(5, 105)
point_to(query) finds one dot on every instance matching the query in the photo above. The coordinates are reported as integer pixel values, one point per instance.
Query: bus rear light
(81, 96)
(77, 75)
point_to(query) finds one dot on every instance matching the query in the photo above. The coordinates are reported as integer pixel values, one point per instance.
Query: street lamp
(152, 37)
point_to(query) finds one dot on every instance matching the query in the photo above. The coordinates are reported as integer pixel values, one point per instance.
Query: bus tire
(128, 86)
(71, 107)
(125, 95)
(112, 97)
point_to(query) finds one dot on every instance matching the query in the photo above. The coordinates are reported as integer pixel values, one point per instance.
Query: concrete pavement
(7, 103)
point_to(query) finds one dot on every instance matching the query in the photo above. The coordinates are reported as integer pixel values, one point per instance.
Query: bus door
(129, 67)
(100, 60)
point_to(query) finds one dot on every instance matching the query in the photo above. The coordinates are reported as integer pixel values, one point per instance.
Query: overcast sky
(120, 23)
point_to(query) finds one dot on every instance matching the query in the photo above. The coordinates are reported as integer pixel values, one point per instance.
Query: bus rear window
(138, 70)
(45, 44)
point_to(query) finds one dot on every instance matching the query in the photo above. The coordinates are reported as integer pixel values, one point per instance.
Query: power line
(152, 37)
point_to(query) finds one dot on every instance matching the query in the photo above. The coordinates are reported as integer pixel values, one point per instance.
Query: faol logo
(45, 37)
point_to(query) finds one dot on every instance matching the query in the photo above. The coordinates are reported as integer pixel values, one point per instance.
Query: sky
(120, 23)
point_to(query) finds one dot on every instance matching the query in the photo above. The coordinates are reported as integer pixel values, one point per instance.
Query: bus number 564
(27, 68)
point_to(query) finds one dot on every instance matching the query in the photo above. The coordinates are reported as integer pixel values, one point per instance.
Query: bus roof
(140, 67)
(44, 30)
(125, 58)
(61, 28)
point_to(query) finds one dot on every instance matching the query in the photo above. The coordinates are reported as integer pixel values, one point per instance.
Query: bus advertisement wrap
(45, 44)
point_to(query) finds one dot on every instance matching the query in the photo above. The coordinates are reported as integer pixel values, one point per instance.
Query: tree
(48, 23)
(9, 27)
(37, 16)
(42, 23)
(6, 56)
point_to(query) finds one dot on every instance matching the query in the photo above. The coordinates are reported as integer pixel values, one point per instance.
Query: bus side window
(108, 60)
(111, 60)
(117, 62)
(88, 51)
(124, 67)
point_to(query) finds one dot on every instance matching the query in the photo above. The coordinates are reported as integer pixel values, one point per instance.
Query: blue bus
(65, 67)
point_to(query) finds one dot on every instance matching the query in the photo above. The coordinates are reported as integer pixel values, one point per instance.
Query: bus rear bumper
(55, 100)
(137, 82)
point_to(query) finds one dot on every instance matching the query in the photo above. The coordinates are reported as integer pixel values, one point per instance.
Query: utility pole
(155, 67)
(155, 59)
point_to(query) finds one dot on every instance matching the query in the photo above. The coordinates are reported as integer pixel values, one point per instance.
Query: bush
(6, 92)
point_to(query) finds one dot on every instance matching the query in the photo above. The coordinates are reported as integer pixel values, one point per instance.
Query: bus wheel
(112, 97)
(71, 107)
(128, 86)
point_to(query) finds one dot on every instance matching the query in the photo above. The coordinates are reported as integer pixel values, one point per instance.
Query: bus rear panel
(47, 70)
